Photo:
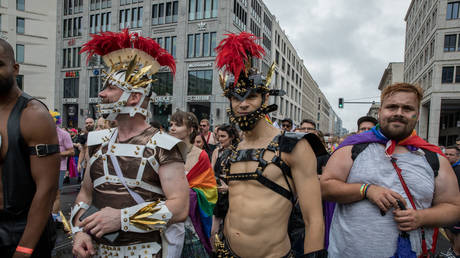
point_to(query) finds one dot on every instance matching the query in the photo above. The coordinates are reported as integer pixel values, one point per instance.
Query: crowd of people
(243, 189)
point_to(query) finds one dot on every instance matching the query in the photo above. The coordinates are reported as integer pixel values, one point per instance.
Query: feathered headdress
(234, 55)
(130, 52)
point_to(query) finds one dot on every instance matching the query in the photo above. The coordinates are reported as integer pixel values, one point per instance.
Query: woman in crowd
(200, 142)
(203, 187)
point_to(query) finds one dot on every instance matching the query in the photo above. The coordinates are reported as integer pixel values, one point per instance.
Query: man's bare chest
(4, 115)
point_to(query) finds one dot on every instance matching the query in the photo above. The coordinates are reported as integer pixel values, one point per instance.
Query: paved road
(63, 247)
(69, 192)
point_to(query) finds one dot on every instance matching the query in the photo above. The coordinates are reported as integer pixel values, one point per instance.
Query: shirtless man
(267, 172)
(29, 179)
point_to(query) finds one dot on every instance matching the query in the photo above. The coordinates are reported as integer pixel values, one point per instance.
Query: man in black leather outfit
(29, 167)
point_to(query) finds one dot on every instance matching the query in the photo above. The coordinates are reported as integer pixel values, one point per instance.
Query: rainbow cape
(203, 198)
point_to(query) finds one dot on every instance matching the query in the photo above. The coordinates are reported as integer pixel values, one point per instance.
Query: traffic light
(340, 102)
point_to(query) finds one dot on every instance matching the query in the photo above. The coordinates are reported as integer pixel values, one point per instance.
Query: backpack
(430, 156)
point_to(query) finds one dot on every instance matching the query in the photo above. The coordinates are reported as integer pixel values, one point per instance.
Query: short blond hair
(402, 87)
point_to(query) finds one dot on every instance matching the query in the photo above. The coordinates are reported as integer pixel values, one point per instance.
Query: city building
(189, 30)
(393, 73)
(30, 28)
(432, 59)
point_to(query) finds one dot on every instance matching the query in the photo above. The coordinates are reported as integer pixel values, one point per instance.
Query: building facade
(30, 28)
(432, 59)
(189, 30)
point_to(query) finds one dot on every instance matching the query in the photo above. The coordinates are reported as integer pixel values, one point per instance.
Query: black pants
(11, 232)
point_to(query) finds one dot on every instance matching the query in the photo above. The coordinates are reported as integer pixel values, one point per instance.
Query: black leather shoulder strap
(289, 140)
(433, 160)
(357, 149)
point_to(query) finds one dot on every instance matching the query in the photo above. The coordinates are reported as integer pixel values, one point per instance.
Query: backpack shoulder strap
(433, 160)
(357, 149)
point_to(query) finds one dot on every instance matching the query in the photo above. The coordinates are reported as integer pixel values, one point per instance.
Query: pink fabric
(72, 168)
(65, 143)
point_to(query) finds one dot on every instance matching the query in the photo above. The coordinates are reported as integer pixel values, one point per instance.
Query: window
(154, 14)
(20, 23)
(196, 49)
(190, 51)
(447, 74)
(239, 15)
(197, 45)
(457, 74)
(94, 86)
(71, 57)
(200, 82)
(202, 9)
(163, 84)
(175, 11)
(71, 87)
(206, 45)
(20, 81)
(168, 44)
(452, 10)
(450, 42)
(161, 14)
(20, 5)
(168, 16)
(173, 46)
(19, 53)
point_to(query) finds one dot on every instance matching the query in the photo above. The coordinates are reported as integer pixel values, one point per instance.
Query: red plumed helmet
(234, 51)
(108, 42)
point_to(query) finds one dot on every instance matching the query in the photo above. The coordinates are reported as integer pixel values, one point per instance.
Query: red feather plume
(107, 42)
(235, 50)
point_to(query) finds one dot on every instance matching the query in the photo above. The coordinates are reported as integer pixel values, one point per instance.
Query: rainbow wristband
(365, 190)
(24, 250)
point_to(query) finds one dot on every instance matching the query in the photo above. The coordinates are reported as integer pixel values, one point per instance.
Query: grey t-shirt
(358, 229)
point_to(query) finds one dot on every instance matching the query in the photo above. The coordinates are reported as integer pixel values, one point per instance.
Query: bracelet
(24, 250)
(365, 191)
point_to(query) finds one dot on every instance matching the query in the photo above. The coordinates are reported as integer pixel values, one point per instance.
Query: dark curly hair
(232, 133)
(190, 121)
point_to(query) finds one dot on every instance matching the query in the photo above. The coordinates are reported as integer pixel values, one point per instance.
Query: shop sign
(69, 101)
(93, 100)
(200, 65)
(72, 74)
(166, 99)
(199, 98)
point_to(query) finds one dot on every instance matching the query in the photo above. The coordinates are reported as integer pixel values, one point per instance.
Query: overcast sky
(345, 45)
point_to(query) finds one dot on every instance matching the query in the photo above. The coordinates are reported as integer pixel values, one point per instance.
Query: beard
(6, 84)
(89, 128)
(399, 133)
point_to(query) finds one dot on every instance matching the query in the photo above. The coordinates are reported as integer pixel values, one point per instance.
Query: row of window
(452, 10)
(71, 57)
(240, 16)
(201, 45)
(450, 42)
(100, 4)
(125, 2)
(100, 22)
(165, 12)
(199, 83)
(131, 18)
(448, 73)
(72, 27)
(73, 7)
(202, 9)
(168, 43)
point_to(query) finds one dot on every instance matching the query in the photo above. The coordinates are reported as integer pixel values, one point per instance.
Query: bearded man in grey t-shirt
(367, 188)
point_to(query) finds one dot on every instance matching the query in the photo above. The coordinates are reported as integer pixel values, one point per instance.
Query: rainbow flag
(203, 198)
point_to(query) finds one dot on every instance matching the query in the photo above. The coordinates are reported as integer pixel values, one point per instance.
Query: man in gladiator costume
(269, 171)
(135, 186)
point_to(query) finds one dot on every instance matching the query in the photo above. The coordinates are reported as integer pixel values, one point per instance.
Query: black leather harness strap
(43, 150)
(257, 155)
